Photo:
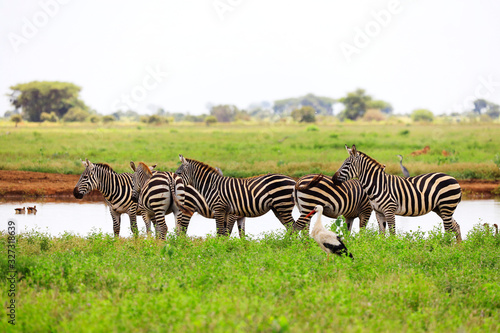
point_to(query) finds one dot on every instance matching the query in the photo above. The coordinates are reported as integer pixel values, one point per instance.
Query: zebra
(392, 195)
(347, 199)
(116, 189)
(157, 195)
(229, 197)
(196, 203)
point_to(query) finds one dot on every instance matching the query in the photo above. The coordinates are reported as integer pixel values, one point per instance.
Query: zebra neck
(205, 185)
(107, 185)
(372, 179)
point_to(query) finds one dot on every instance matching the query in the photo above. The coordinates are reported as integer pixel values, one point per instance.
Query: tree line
(52, 101)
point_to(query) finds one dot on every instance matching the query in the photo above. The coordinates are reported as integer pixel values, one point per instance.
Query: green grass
(246, 150)
(278, 283)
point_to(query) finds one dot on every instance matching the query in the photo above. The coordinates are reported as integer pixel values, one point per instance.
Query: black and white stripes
(392, 195)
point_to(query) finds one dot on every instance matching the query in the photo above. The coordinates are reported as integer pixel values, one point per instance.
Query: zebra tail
(312, 183)
(177, 201)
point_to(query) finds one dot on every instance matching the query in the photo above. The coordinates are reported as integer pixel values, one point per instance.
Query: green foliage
(321, 105)
(37, 97)
(210, 120)
(50, 117)
(16, 118)
(276, 283)
(306, 114)
(422, 115)
(228, 113)
(108, 119)
(355, 104)
(76, 114)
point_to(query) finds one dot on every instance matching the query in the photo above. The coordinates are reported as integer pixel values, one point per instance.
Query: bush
(373, 115)
(108, 119)
(422, 115)
(75, 114)
(52, 117)
(210, 120)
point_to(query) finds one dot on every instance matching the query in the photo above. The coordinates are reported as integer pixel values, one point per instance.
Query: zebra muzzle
(77, 193)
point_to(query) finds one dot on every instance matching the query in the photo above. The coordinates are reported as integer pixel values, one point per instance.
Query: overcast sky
(181, 55)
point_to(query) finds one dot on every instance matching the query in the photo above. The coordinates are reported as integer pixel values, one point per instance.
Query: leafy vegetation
(277, 283)
(247, 150)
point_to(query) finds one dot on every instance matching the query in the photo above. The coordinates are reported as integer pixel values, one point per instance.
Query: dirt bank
(27, 184)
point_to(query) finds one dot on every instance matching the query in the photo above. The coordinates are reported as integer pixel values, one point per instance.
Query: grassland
(246, 150)
(279, 283)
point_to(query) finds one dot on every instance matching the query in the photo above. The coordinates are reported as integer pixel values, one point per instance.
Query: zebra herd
(201, 188)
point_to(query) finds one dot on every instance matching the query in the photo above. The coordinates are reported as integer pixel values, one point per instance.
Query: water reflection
(82, 217)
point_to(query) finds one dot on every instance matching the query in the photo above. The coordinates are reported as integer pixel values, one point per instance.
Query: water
(81, 217)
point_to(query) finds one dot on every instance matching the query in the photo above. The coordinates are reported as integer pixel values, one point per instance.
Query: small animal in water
(32, 210)
(329, 241)
(20, 210)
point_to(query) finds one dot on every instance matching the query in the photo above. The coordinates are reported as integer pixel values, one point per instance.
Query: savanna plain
(272, 283)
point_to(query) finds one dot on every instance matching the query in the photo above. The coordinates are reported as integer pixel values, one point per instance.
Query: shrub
(422, 115)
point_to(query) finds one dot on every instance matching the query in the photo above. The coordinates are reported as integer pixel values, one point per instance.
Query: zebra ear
(183, 160)
(353, 150)
(132, 165)
(89, 165)
(151, 168)
(349, 150)
(84, 163)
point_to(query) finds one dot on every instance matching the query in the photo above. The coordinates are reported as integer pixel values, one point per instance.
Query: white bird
(329, 241)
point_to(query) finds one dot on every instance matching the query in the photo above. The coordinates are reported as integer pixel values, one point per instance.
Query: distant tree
(321, 105)
(94, 119)
(46, 96)
(210, 120)
(480, 105)
(224, 113)
(383, 106)
(16, 118)
(108, 119)
(355, 104)
(306, 114)
(422, 115)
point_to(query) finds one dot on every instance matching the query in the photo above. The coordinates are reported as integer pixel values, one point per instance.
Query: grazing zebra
(116, 189)
(157, 195)
(392, 195)
(346, 199)
(230, 197)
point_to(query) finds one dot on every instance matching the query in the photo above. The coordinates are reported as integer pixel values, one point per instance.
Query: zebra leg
(381, 222)
(147, 222)
(451, 225)
(231, 219)
(116, 222)
(133, 223)
(285, 217)
(184, 221)
(302, 223)
(363, 220)
(161, 225)
(349, 221)
(391, 222)
(241, 226)
(220, 222)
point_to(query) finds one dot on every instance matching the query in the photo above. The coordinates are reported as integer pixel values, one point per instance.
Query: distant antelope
(32, 210)
(20, 210)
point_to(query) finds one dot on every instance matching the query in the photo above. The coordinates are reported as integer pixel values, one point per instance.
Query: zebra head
(348, 169)
(87, 182)
(142, 173)
(185, 171)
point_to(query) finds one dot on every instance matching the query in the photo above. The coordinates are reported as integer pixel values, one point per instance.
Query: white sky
(426, 54)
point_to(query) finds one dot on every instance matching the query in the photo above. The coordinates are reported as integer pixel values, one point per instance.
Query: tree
(75, 114)
(16, 118)
(306, 114)
(224, 113)
(482, 106)
(321, 105)
(46, 96)
(383, 106)
(422, 115)
(355, 104)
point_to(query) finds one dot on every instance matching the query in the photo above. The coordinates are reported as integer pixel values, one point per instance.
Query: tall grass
(241, 150)
(277, 283)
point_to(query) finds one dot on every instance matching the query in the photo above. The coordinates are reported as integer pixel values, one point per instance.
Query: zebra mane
(105, 167)
(202, 165)
(145, 167)
(372, 160)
